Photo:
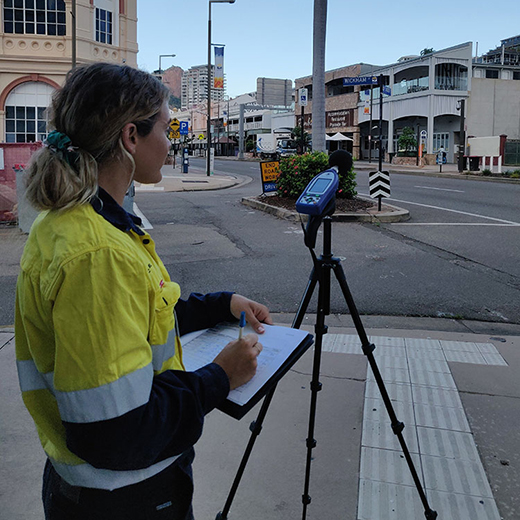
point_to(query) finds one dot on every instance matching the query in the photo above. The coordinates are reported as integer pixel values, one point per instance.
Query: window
(336, 88)
(45, 17)
(25, 113)
(103, 26)
(441, 140)
(516, 74)
(492, 73)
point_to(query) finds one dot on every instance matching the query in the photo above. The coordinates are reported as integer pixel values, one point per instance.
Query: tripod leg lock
(306, 500)
(430, 514)
(368, 348)
(311, 443)
(316, 386)
(397, 427)
(255, 428)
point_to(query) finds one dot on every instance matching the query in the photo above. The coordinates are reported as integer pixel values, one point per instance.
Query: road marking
(424, 396)
(457, 211)
(140, 214)
(452, 224)
(439, 189)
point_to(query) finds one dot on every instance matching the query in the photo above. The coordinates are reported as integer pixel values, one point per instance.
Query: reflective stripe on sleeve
(160, 353)
(85, 475)
(107, 401)
(29, 377)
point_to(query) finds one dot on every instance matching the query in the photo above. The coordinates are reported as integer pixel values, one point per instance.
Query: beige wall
(45, 58)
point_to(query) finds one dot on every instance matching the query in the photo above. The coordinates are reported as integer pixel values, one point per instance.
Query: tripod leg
(368, 349)
(320, 330)
(256, 426)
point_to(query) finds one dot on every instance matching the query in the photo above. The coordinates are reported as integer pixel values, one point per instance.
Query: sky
(273, 38)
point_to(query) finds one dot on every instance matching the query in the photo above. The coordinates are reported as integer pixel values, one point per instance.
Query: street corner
(190, 182)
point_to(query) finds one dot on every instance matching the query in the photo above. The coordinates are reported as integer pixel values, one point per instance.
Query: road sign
(270, 172)
(201, 137)
(360, 80)
(174, 124)
(379, 184)
(387, 90)
(174, 135)
(424, 134)
(303, 96)
(183, 129)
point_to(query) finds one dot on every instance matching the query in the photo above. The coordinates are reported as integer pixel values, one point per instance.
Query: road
(456, 257)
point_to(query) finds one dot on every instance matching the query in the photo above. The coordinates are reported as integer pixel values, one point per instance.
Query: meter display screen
(320, 186)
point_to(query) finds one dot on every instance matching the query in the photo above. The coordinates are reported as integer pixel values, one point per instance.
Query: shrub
(487, 172)
(297, 171)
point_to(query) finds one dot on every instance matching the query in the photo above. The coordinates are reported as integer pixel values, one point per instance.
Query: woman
(98, 319)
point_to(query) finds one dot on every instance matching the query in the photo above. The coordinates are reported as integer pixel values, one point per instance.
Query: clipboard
(283, 347)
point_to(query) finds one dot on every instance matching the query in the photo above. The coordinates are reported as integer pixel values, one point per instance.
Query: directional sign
(174, 124)
(387, 90)
(201, 137)
(360, 80)
(184, 126)
(379, 184)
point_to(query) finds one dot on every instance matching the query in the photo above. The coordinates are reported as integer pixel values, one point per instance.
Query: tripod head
(318, 199)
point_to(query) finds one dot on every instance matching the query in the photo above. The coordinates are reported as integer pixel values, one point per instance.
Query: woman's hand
(256, 313)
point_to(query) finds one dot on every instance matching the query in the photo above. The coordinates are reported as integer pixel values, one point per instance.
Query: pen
(242, 324)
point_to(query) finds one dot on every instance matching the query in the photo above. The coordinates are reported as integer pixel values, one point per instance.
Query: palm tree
(318, 75)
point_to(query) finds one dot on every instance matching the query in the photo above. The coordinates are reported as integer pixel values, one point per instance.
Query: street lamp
(164, 56)
(208, 127)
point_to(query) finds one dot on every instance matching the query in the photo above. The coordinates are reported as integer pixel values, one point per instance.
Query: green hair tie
(60, 143)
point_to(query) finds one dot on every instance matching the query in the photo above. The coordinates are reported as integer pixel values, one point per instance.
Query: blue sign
(387, 90)
(360, 80)
(183, 128)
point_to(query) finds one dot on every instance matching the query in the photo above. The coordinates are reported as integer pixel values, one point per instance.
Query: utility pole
(318, 75)
(74, 40)
(462, 132)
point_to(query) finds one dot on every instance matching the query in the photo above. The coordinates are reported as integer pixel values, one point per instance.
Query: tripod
(320, 274)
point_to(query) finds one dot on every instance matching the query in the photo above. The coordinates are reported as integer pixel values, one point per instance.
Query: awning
(338, 136)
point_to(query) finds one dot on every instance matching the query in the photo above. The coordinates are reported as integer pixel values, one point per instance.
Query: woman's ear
(129, 137)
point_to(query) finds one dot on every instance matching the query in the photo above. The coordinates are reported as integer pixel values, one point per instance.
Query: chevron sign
(379, 184)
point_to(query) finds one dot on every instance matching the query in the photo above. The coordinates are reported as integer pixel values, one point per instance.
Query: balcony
(411, 86)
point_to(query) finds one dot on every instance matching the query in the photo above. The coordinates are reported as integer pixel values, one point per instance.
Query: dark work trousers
(165, 496)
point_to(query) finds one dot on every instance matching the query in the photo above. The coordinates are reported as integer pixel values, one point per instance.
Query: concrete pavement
(454, 384)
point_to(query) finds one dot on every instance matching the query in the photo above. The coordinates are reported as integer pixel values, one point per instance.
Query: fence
(13, 157)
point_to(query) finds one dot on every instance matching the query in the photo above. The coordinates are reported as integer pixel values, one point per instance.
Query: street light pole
(74, 38)
(208, 126)
(164, 56)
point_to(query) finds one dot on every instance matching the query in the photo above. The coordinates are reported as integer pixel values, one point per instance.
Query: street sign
(387, 90)
(424, 134)
(174, 135)
(183, 129)
(303, 96)
(360, 80)
(174, 124)
(201, 137)
(270, 172)
(379, 184)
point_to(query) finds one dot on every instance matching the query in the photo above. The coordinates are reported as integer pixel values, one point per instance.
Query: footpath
(454, 384)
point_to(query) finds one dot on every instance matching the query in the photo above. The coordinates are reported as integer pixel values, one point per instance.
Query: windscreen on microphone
(342, 160)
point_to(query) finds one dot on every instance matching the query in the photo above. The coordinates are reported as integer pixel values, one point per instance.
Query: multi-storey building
(194, 87)
(36, 49)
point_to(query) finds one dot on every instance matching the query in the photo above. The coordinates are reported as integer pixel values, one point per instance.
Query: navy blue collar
(112, 212)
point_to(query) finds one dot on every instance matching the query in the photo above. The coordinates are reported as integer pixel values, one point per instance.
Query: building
(341, 114)
(36, 42)
(194, 87)
(274, 92)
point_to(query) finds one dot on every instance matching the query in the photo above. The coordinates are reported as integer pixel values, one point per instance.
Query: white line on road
(439, 189)
(457, 211)
(453, 224)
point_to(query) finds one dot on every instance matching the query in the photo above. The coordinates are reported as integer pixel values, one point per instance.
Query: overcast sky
(273, 38)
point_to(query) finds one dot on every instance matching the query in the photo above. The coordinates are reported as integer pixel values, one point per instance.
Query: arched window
(35, 17)
(25, 112)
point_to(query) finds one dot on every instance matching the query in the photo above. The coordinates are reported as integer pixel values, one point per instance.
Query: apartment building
(36, 48)
(194, 87)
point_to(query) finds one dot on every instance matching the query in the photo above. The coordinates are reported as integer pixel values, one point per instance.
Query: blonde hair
(92, 108)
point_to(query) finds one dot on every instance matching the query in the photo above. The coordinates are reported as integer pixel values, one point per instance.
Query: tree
(427, 50)
(407, 141)
(296, 134)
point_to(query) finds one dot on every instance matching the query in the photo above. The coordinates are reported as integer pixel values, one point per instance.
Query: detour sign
(270, 171)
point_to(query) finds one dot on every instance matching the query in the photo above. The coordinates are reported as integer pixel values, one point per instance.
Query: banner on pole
(218, 78)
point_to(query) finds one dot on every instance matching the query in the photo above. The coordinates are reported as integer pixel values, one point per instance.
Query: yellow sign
(174, 124)
(174, 135)
(270, 171)
(201, 137)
